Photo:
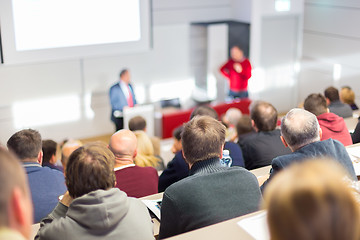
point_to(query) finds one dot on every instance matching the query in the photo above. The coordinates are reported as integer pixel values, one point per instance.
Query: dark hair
(204, 110)
(316, 104)
(332, 94)
(123, 71)
(90, 168)
(202, 138)
(244, 125)
(137, 123)
(264, 115)
(25, 144)
(177, 132)
(49, 149)
(11, 175)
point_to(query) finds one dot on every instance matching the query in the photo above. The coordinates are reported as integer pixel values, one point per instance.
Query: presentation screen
(36, 30)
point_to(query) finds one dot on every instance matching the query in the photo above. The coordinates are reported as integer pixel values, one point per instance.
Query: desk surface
(225, 230)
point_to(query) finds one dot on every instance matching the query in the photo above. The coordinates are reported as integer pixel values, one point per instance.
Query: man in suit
(121, 96)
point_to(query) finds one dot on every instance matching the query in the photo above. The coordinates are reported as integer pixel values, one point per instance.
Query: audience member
(93, 208)
(16, 211)
(208, 195)
(135, 181)
(68, 147)
(244, 127)
(139, 123)
(230, 119)
(355, 136)
(260, 148)
(332, 125)
(46, 184)
(300, 131)
(145, 152)
(347, 96)
(333, 101)
(312, 201)
(177, 168)
(49, 148)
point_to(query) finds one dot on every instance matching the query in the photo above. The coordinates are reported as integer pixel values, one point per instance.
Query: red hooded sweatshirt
(334, 127)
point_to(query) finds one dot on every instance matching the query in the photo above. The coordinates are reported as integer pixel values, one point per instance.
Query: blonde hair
(312, 200)
(347, 95)
(145, 151)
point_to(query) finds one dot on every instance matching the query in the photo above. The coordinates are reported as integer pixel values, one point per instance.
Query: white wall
(331, 36)
(167, 62)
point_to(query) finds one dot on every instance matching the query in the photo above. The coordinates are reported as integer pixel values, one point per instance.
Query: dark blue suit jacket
(118, 100)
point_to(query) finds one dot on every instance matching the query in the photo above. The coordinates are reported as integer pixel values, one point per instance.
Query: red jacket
(334, 127)
(238, 81)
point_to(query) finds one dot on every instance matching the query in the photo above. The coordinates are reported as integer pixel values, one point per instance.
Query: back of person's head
(316, 104)
(202, 138)
(204, 110)
(69, 147)
(145, 151)
(299, 128)
(137, 123)
(177, 132)
(232, 116)
(332, 94)
(49, 148)
(347, 95)
(25, 144)
(244, 125)
(264, 116)
(90, 168)
(15, 201)
(312, 200)
(123, 144)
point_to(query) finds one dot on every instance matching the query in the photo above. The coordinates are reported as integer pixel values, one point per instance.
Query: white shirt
(125, 88)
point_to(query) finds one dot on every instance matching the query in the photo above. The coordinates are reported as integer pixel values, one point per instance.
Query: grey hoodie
(99, 214)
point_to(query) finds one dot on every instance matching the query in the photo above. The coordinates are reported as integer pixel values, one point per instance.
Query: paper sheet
(153, 206)
(256, 226)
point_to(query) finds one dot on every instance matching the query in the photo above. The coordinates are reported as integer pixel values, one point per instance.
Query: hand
(238, 67)
(66, 200)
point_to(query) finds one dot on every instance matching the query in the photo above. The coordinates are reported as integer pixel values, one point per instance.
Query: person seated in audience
(49, 148)
(311, 200)
(347, 96)
(212, 193)
(145, 152)
(332, 125)
(260, 148)
(135, 181)
(16, 211)
(244, 128)
(333, 101)
(67, 148)
(46, 184)
(92, 208)
(177, 168)
(230, 119)
(355, 136)
(139, 123)
(301, 132)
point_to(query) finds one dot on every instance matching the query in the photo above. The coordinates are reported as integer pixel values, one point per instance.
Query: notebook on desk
(154, 206)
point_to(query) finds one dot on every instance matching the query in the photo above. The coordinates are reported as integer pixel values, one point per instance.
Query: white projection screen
(43, 30)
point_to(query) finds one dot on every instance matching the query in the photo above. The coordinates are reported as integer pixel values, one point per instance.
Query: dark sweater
(210, 194)
(340, 109)
(178, 169)
(260, 148)
(328, 148)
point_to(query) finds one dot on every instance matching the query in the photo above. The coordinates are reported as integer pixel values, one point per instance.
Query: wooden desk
(351, 123)
(155, 220)
(225, 230)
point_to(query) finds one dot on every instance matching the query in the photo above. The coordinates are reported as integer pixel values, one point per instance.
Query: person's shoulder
(115, 85)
